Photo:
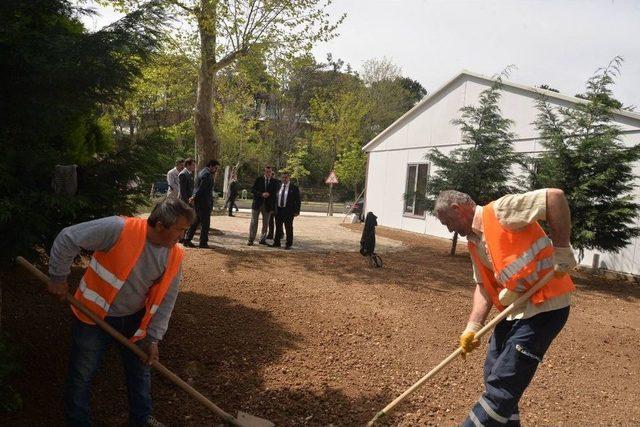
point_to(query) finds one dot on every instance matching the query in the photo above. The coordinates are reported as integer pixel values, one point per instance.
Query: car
(358, 208)
(159, 188)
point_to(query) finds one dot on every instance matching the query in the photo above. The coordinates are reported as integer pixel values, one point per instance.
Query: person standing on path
(173, 181)
(264, 201)
(288, 207)
(510, 252)
(186, 180)
(233, 194)
(202, 200)
(132, 283)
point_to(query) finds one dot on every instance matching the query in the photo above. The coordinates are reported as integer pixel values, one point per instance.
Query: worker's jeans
(515, 350)
(89, 343)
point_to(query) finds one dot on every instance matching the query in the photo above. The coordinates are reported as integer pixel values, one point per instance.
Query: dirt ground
(321, 338)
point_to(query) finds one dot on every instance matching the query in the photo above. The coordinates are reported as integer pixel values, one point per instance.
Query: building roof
(465, 74)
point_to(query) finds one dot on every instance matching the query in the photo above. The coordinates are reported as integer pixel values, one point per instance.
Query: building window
(416, 189)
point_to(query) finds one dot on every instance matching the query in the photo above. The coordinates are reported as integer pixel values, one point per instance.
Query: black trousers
(203, 219)
(232, 203)
(272, 222)
(287, 221)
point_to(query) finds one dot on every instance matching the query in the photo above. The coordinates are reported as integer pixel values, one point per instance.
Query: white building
(396, 157)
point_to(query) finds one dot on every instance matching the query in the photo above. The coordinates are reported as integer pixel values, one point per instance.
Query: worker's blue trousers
(515, 350)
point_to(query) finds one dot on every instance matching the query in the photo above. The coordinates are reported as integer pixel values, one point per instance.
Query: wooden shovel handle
(134, 348)
(502, 315)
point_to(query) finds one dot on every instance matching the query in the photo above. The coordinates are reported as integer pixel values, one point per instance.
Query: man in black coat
(233, 194)
(186, 180)
(288, 207)
(202, 200)
(264, 202)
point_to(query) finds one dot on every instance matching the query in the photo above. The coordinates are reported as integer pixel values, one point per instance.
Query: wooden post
(330, 213)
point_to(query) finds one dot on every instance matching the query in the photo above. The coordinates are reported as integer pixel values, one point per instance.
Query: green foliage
(350, 167)
(296, 160)
(52, 111)
(337, 120)
(482, 169)
(10, 400)
(587, 160)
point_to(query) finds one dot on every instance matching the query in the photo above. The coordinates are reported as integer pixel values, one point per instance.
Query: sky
(555, 42)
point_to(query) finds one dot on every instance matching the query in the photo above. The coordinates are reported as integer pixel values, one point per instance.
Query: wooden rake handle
(489, 326)
(134, 348)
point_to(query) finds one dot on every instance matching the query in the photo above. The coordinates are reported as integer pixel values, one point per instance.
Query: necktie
(284, 188)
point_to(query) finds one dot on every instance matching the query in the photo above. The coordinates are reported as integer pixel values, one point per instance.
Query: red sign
(331, 179)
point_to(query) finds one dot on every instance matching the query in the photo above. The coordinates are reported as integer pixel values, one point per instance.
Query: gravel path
(311, 234)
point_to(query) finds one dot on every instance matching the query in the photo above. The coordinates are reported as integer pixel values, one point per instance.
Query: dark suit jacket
(203, 193)
(292, 206)
(186, 185)
(259, 188)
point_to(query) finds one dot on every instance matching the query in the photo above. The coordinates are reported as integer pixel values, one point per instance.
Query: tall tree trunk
(207, 143)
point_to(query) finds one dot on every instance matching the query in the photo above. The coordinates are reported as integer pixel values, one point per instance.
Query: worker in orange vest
(510, 252)
(132, 284)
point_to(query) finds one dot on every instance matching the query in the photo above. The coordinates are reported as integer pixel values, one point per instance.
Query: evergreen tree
(57, 82)
(587, 160)
(483, 168)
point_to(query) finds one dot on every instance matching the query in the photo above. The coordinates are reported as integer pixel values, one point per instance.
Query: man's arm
(481, 305)
(97, 235)
(479, 312)
(160, 320)
(172, 180)
(558, 217)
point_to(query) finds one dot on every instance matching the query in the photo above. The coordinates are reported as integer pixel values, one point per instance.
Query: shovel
(524, 297)
(243, 419)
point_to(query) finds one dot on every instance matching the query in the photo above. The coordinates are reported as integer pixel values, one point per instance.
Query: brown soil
(322, 338)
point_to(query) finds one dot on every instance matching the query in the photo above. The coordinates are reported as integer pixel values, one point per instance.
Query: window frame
(406, 202)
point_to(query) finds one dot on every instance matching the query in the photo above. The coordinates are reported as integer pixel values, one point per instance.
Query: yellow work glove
(507, 297)
(468, 341)
(563, 260)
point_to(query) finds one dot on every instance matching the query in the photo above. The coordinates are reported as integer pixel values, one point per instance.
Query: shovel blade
(248, 420)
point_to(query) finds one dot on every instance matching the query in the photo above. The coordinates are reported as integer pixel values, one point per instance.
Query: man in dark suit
(233, 194)
(202, 200)
(264, 202)
(288, 207)
(186, 180)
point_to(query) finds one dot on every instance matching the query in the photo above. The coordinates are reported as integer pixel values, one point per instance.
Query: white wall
(429, 125)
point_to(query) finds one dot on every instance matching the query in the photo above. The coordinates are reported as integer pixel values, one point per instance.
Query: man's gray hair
(448, 197)
(168, 210)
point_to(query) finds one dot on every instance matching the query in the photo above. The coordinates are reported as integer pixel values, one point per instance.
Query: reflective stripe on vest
(105, 274)
(92, 296)
(521, 262)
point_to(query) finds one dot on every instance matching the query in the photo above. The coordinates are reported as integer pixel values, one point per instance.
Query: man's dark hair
(268, 167)
(189, 161)
(168, 210)
(212, 163)
(179, 161)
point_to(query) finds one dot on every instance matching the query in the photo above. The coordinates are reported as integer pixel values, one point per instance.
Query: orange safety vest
(519, 258)
(108, 271)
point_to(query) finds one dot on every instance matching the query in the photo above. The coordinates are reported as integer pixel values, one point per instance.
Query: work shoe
(249, 243)
(188, 244)
(263, 242)
(152, 422)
